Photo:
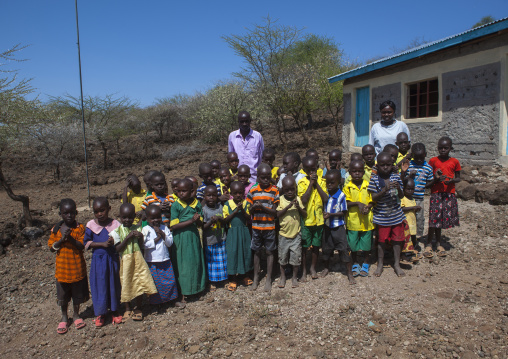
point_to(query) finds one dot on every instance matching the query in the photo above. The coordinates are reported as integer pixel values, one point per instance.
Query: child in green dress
(238, 238)
(186, 252)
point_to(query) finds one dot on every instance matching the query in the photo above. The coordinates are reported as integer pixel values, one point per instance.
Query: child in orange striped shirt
(262, 201)
(66, 240)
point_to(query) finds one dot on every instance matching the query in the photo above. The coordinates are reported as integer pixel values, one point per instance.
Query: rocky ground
(454, 307)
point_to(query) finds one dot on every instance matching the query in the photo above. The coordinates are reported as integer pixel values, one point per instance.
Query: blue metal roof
(425, 49)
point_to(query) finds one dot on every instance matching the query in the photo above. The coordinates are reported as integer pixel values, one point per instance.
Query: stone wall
(470, 115)
(346, 125)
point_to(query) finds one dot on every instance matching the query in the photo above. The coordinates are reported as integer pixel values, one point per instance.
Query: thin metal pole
(82, 105)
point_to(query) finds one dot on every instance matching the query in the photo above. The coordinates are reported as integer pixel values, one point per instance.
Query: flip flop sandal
(79, 323)
(126, 316)
(417, 257)
(427, 253)
(356, 270)
(441, 252)
(247, 281)
(63, 327)
(117, 319)
(137, 315)
(231, 286)
(213, 288)
(365, 270)
(99, 321)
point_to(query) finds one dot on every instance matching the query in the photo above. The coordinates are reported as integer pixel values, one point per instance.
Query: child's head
(185, 189)
(403, 142)
(369, 155)
(215, 168)
(444, 146)
(289, 187)
(356, 157)
(210, 195)
(244, 174)
(332, 178)
(264, 175)
(174, 183)
(237, 190)
(134, 183)
(225, 176)
(68, 211)
(206, 173)
(233, 161)
(384, 164)
(101, 209)
(195, 185)
(309, 164)
(153, 215)
(409, 187)
(291, 162)
(392, 150)
(127, 214)
(159, 185)
(356, 170)
(312, 152)
(268, 156)
(334, 158)
(418, 153)
(147, 179)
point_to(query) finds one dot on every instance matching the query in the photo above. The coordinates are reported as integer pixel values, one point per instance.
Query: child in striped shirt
(207, 174)
(159, 196)
(335, 230)
(386, 190)
(262, 201)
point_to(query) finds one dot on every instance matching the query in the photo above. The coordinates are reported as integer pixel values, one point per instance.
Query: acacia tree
(15, 113)
(105, 118)
(264, 49)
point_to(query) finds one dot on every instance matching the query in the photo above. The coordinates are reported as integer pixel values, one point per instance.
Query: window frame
(418, 96)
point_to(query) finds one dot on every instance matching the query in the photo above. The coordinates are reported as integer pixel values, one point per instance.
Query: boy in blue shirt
(423, 176)
(335, 230)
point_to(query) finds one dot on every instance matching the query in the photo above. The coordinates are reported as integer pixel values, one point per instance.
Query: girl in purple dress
(104, 270)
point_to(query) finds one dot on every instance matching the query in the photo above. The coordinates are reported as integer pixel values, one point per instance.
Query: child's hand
(393, 184)
(366, 210)
(165, 206)
(327, 165)
(214, 219)
(137, 234)
(256, 205)
(224, 197)
(418, 208)
(361, 208)
(239, 207)
(110, 242)
(326, 215)
(195, 217)
(413, 173)
(404, 164)
(65, 233)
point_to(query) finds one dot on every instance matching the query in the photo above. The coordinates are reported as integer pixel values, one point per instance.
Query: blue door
(362, 117)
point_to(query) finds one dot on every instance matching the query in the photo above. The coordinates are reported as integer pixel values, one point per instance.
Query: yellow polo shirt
(137, 200)
(315, 205)
(355, 220)
(274, 173)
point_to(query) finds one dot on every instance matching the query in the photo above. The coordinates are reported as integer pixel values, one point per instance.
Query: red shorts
(388, 234)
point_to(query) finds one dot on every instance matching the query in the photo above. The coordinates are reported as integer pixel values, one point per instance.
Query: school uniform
(312, 230)
(359, 226)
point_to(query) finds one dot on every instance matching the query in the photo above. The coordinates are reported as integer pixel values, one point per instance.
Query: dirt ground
(454, 307)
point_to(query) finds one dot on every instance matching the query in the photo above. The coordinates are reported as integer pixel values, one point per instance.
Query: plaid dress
(215, 251)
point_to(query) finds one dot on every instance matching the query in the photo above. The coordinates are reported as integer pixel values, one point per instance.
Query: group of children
(168, 246)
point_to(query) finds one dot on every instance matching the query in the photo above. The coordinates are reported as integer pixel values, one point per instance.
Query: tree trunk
(104, 154)
(19, 198)
(302, 130)
(279, 133)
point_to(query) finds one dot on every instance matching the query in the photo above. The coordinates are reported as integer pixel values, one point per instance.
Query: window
(422, 99)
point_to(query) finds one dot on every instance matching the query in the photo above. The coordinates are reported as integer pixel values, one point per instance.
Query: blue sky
(152, 49)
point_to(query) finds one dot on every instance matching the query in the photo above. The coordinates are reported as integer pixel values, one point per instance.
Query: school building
(456, 87)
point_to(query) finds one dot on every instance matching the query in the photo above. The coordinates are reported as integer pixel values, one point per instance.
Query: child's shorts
(312, 236)
(290, 250)
(388, 234)
(443, 210)
(359, 240)
(336, 239)
(263, 238)
(77, 291)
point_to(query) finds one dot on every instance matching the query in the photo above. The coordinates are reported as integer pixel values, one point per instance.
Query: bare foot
(313, 273)
(324, 273)
(351, 279)
(399, 271)
(255, 284)
(180, 305)
(379, 270)
(304, 276)
(294, 282)
(268, 286)
(282, 282)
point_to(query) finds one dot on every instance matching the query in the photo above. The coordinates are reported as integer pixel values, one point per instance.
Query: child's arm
(301, 210)
(306, 196)
(340, 214)
(194, 219)
(106, 244)
(160, 234)
(232, 214)
(270, 210)
(212, 221)
(455, 179)
(120, 246)
(322, 193)
(412, 208)
(283, 211)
